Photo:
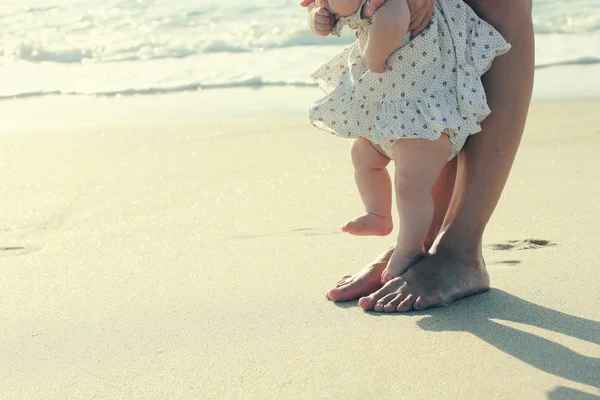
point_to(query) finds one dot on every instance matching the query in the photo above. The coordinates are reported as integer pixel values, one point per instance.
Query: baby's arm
(389, 27)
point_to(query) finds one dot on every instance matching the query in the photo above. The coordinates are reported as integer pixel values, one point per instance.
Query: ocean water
(109, 47)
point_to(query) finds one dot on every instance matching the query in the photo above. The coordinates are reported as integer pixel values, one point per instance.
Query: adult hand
(421, 12)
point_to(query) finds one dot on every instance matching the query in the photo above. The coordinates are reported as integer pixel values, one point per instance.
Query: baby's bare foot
(369, 224)
(398, 265)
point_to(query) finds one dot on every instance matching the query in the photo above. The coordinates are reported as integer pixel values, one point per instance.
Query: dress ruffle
(421, 95)
(427, 117)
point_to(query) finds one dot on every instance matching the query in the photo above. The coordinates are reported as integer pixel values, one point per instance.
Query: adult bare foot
(364, 282)
(436, 279)
(369, 224)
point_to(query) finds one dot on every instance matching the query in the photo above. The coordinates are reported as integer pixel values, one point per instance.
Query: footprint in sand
(522, 244)
(508, 262)
(16, 250)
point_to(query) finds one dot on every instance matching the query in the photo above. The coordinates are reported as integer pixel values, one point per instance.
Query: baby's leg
(419, 163)
(375, 188)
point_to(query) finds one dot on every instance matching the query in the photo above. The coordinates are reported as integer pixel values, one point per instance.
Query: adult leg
(442, 193)
(455, 267)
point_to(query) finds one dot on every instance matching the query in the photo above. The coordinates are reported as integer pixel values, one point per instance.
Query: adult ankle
(465, 243)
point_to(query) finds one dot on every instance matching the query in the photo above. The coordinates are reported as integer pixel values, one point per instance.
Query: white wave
(109, 47)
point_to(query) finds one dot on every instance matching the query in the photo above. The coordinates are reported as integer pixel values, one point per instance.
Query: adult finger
(418, 7)
(419, 10)
(370, 7)
(306, 3)
(424, 22)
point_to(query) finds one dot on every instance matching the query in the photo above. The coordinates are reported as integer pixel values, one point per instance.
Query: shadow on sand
(562, 393)
(476, 314)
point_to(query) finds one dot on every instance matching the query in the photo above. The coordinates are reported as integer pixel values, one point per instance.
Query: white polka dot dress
(432, 86)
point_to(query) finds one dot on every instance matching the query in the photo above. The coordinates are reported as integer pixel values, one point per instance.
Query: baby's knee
(365, 155)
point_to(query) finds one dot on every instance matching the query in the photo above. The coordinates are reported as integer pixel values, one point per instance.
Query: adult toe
(368, 302)
(429, 301)
(406, 304)
(392, 305)
(382, 302)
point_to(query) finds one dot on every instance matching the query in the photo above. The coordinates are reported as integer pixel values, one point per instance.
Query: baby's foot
(398, 265)
(369, 224)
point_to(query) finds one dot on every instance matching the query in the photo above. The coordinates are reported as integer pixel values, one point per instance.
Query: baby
(389, 27)
(411, 100)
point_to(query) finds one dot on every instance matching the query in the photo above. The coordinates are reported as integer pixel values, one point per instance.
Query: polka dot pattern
(432, 86)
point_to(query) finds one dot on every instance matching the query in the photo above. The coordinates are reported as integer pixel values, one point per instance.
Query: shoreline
(568, 83)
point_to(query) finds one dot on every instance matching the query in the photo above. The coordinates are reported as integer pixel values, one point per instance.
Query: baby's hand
(320, 20)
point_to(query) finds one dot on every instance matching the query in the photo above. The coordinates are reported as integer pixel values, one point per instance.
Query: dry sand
(187, 257)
